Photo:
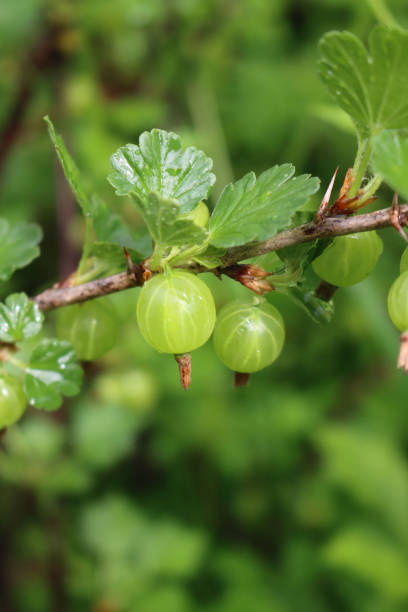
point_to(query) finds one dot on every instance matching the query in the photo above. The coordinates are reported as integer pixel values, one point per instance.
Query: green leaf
(109, 256)
(318, 310)
(211, 258)
(255, 209)
(70, 168)
(18, 246)
(52, 371)
(162, 219)
(109, 226)
(390, 158)
(371, 86)
(19, 318)
(160, 164)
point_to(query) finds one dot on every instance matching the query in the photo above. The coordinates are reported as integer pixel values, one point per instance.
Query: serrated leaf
(371, 86)
(390, 158)
(70, 169)
(19, 318)
(52, 371)
(160, 164)
(162, 219)
(18, 246)
(110, 257)
(255, 209)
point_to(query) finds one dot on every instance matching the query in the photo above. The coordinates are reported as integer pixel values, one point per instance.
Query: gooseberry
(398, 302)
(249, 336)
(91, 327)
(12, 400)
(175, 312)
(349, 259)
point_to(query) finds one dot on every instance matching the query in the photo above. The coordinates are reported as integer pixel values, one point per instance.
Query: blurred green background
(290, 495)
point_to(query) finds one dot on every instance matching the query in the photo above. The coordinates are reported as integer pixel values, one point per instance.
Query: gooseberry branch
(328, 227)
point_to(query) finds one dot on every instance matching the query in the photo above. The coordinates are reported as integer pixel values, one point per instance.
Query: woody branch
(328, 227)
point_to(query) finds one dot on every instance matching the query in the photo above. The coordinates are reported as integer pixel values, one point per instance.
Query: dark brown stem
(327, 228)
(325, 291)
(184, 365)
(241, 379)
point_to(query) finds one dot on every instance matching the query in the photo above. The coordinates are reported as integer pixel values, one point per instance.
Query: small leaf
(18, 246)
(318, 310)
(19, 318)
(211, 258)
(70, 169)
(390, 158)
(109, 256)
(161, 217)
(255, 209)
(160, 164)
(372, 87)
(52, 371)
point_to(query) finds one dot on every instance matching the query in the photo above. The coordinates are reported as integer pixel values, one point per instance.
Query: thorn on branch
(396, 218)
(251, 276)
(326, 199)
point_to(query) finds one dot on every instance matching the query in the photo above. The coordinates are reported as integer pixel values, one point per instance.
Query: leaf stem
(17, 363)
(360, 165)
(383, 14)
(372, 186)
(87, 247)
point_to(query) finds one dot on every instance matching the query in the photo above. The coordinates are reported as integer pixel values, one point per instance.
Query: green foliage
(161, 217)
(390, 159)
(370, 86)
(254, 209)
(18, 246)
(372, 556)
(19, 318)
(159, 164)
(70, 169)
(52, 371)
(288, 495)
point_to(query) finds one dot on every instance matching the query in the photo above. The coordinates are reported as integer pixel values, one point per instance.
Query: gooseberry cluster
(176, 314)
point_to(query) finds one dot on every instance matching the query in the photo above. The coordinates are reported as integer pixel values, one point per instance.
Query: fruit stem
(403, 352)
(325, 291)
(241, 379)
(184, 365)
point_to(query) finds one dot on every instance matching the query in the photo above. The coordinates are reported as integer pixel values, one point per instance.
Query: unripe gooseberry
(249, 336)
(13, 400)
(398, 302)
(91, 327)
(200, 215)
(349, 259)
(175, 312)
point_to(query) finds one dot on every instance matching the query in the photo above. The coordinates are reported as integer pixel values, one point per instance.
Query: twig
(329, 227)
